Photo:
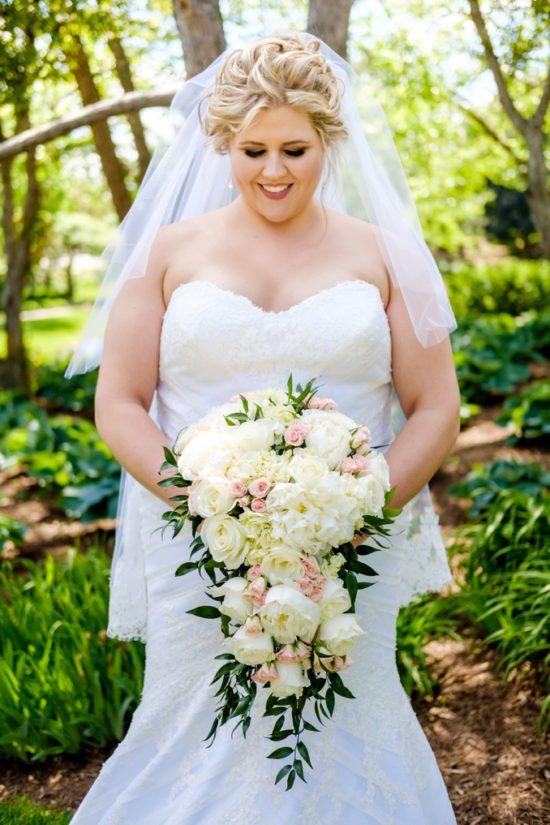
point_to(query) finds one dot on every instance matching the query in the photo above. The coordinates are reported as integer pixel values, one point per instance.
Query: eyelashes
(256, 153)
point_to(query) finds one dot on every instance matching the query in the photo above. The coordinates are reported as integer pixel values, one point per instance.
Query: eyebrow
(287, 143)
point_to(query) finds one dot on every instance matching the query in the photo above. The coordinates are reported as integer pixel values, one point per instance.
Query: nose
(274, 167)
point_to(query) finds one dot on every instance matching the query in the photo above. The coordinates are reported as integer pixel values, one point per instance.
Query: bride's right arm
(128, 376)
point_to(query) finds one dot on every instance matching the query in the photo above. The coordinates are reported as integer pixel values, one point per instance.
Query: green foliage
(529, 411)
(11, 530)
(506, 590)
(23, 811)
(492, 353)
(74, 394)
(486, 481)
(65, 455)
(512, 285)
(63, 683)
(421, 621)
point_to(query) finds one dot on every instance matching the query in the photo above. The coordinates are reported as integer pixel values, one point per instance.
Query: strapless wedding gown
(372, 762)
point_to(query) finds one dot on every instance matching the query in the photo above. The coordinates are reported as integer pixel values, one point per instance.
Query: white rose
(334, 599)
(225, 538)
(339, 634)
(252, 650)
(307, 468)
(370, 494)
(328, 435)
(378, 467)
(290, 681)
(281, 416)
(331, 564)
(234, 604)
(287, 614)
(280, 562)
(212, 497)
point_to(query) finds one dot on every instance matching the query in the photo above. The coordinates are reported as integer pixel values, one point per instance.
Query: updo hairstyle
(270, 72)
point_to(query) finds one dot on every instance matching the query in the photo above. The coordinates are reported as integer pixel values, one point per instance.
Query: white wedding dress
(372, 762)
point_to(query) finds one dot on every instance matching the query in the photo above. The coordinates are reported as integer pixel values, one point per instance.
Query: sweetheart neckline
(288, 310)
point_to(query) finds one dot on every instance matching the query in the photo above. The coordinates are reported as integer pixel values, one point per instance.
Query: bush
(65, 455)
(11, 530)
(492, 354)
(486, 481)
(74, 394)
(511, 285)
(63, 683)
(529, 412)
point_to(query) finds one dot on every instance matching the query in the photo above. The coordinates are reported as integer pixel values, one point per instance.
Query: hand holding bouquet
(277, 484)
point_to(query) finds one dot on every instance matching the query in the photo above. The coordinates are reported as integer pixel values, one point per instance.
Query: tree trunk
(330, 21)
(125, 76)
(113, 168)
(17, 245)
(538, 193)
(200, 26)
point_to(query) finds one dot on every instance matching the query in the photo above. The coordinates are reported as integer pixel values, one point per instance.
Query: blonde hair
(273, 71)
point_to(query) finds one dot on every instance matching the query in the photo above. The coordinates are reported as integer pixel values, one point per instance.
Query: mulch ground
(482, 730)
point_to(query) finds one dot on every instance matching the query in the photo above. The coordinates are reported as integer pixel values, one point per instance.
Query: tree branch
(491, 132)
(93, 113)
(538, 118)
(507, 103)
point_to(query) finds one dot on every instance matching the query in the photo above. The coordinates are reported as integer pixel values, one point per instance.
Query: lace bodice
(216, 343)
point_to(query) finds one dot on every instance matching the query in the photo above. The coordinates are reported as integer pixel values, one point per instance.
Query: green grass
(24, 812)
(51, 338)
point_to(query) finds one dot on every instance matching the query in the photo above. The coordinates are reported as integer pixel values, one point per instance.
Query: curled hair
(273, 71)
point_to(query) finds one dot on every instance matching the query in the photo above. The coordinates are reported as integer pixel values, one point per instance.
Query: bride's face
(277, 163)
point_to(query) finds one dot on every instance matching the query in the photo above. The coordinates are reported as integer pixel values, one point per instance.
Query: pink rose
(253, 572)
(306, 585)
(317, 589)
(237, 488)
(363, 449)
(321, 403)
(302, 650)
(256, 591)
(259, 487)
(264, 674)
(296, 433)
(287, 654)
(253, 626)
(244, 501)
(347, 465)
(311, 568)
(355, 464)
(360, 437)
(258, 505)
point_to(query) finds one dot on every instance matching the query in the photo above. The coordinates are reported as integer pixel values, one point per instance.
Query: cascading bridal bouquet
(278, 493)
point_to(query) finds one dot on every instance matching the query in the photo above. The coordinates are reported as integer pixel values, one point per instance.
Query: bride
(258, 247)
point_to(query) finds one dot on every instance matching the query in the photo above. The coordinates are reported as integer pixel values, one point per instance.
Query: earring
(230, 185)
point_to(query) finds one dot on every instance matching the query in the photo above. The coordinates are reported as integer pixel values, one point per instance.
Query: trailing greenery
(63, 683)
(486, 481)
(493, 354)
(65, 455)
(512, 285)
(23, 811)
(529, 412)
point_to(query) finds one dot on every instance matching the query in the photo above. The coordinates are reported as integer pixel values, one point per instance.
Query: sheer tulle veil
(363, 177)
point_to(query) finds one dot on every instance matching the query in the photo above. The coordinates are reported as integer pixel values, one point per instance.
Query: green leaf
(282, 773)
(169, 457)
(205, 611)
(280, 753)
(304, 753)
(299, 768)
(184, 568)
(329, 699)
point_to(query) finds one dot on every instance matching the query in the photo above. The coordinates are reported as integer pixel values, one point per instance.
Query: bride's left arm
(426, 385)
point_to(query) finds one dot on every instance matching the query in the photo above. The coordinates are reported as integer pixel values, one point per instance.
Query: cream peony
(234, 604)
(287, 614)
(378, 467)
(226, 540)
(334, 599)
(370, 494)
(252, 650)
(339, 634)
(280, 563)
(291, 679)
(211, 497)
(329, 435)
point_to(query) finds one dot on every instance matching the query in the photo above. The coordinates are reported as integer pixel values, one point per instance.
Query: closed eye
(256, 153)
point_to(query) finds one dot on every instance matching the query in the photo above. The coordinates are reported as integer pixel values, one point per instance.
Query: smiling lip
(276, 196)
